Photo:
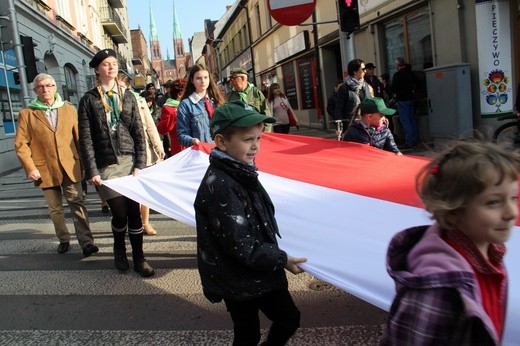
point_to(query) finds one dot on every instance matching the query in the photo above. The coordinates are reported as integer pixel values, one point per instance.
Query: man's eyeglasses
(364, 69)
(48, 86)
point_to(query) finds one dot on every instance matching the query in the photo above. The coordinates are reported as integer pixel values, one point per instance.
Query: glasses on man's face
(364, 69)
(47, 86)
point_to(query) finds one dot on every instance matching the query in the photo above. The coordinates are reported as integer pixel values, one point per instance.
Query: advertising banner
(494, 55)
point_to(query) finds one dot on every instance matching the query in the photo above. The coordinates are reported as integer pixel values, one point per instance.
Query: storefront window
(289, 84)
(409, 37)
(9, 119)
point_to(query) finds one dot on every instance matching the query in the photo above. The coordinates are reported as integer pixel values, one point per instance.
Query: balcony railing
(116, 3)
(113, 24)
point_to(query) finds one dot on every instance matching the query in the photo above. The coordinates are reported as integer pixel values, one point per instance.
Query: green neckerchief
(37, 104)
(243, 94)
(111, 96)
(172, 103)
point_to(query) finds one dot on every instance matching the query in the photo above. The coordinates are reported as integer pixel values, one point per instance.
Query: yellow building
(306, 59)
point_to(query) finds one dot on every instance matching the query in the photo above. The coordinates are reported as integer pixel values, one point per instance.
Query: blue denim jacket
(193, 121)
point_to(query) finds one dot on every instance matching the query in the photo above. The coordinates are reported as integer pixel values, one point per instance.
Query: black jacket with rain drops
(237, 250)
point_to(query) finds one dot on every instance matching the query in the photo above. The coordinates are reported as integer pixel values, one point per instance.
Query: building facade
(168, 69)
(142, 68)
(307, 59)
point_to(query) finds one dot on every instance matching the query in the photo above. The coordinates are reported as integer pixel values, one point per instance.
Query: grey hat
(238, 70)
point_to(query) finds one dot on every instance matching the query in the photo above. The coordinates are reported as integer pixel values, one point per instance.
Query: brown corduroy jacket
(51, 152)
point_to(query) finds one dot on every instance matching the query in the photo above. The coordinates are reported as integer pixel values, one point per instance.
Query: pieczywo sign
(291, 12)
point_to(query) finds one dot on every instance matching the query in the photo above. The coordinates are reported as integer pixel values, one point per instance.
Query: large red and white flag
(337, 203)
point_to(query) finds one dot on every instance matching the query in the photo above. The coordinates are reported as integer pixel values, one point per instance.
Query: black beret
(100, 56)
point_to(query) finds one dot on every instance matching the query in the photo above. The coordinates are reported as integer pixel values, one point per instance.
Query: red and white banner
(337, 203)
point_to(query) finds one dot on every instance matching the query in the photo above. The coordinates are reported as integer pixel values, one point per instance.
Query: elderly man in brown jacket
(46, 143)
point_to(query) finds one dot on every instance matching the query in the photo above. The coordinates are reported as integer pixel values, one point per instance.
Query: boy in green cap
(239, 260)
(371, 129)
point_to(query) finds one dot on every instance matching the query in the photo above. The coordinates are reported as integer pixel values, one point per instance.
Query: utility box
(449, 100)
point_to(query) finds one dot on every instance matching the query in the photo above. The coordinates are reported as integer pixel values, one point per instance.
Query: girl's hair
(177, 88)
(271, 95)
(213, 91)
(102, 93)
(460, 172)
(123, 77)
(149, 97)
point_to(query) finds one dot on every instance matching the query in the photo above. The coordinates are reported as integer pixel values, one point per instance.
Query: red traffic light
(349, 15)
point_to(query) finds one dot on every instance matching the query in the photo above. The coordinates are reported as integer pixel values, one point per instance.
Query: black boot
(140, 264)
(143, 268)
(120, 260)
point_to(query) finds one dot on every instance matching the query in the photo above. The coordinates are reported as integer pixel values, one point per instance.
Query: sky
(190, 13)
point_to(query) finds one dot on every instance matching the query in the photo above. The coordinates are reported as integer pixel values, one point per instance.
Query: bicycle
(508, 133)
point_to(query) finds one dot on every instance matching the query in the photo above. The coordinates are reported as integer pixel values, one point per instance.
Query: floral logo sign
(496, 87)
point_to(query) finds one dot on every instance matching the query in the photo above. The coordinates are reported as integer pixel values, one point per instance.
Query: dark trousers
(278, 306)
(279, 128)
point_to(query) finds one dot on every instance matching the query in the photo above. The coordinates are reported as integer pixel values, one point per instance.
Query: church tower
(155, 49)
(178, 46)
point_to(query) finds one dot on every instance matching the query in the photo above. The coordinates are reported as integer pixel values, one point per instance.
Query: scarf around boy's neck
(37, 104)
(354, 84)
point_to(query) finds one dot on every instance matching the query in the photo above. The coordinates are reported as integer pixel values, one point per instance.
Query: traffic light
(28, 57)
(349, 15)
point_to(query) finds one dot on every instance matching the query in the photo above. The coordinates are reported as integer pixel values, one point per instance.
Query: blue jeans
(407, 119)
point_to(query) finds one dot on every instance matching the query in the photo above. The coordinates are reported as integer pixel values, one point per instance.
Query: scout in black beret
(100, 56)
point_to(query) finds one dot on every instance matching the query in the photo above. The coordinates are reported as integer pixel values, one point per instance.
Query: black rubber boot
(140, 264)
(120, 260)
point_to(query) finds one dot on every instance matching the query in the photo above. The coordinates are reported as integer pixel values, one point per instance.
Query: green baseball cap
(236, 113)
(375, 105)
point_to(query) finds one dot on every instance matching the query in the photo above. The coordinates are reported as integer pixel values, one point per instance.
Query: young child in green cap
(371, 128)
(239, 260)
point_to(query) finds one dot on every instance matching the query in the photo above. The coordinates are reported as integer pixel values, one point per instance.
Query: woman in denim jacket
(200, 98)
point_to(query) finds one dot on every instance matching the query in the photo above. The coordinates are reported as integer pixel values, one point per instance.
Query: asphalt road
(52, 299)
